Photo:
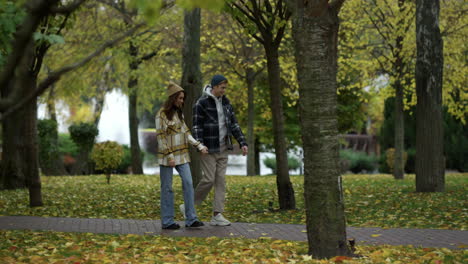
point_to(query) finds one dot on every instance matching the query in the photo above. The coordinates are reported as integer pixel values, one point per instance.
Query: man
(214, 124)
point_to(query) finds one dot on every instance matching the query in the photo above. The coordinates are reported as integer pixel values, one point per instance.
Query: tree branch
(22, 37)
(68, 8)
(56, 75)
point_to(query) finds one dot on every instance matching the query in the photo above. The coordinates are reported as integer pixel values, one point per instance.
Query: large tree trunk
(430, 161)
(315, 31)
(20, 160)
(250, 122)
(285, 188)
(12, 175)
(191, 78)
(137, 167)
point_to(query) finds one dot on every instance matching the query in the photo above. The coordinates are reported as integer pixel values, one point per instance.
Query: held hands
(245, 150)
(204, 150)
(172, 163)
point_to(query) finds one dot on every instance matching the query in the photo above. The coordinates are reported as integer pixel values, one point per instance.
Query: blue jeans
(167, 195)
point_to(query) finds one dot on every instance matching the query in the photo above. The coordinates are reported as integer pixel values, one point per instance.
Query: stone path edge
(426, 238)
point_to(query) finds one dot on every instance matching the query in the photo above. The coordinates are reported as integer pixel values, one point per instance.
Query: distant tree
(266, 21)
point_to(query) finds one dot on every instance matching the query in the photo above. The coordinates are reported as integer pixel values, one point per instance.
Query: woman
(173, 138)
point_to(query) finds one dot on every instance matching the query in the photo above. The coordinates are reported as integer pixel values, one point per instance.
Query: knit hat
(173, 88)
(217, 79)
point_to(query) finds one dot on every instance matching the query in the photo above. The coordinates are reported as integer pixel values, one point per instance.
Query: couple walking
(214, 123)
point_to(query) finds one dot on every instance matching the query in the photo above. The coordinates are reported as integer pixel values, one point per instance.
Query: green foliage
(359, 161)
(107, 155)
(127, 160)
(455, 139)
(351, 116)
(293, 163)
(83, 135)
(375, 200)
(455, 143)
(11, 16)
(48, 38)
(48, 146)
(66, 145)
(59, 247)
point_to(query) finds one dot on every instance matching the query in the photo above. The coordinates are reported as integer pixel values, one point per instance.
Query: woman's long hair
(169, 107)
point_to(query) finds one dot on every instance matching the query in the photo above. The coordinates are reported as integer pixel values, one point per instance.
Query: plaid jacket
(205, 124)
(173, 140)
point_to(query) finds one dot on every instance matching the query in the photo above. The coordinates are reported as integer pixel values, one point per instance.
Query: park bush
(68, 151)
(359, 161)
(293, 163)
(49, 152)
(83, 135)
(107, 156)
(126, 163)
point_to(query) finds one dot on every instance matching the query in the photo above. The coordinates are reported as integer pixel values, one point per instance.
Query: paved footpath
(452, 239)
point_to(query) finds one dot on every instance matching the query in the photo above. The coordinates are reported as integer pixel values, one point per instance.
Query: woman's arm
(163, 146)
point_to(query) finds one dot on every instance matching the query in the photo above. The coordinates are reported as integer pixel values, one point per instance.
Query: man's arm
(236, 130)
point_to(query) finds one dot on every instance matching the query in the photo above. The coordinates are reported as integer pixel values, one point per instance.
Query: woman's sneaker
(197, 223)
(219, 220)
(173, 226)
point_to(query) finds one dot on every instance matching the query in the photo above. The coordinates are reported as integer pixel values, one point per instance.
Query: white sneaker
(182, 210)
(219, 220)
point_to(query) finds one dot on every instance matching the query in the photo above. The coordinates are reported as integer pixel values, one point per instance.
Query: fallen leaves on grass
(371, 200)
(55, 247)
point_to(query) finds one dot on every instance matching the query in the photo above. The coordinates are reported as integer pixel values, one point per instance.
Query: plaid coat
(173, 140)
(205, 124)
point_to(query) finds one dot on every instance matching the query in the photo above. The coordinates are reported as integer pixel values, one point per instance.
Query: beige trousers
(214, 174)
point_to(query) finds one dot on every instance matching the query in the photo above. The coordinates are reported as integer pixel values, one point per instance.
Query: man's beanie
(217, 79)
(173, 88)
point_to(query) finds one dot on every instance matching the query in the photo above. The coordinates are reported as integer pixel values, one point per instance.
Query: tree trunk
(12, 175)
(430, 161)
(257, 156)
(191, 78)
(315, 31)
(285, 188)
(137, 167)
(399, 163)
(29, 150)
(250, 123)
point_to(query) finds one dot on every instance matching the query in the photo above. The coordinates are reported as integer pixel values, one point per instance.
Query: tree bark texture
(192, 79)
(137, 164)
(399, 163)
(285, 189)
(250, 122)
(315, 31)
(430, 161)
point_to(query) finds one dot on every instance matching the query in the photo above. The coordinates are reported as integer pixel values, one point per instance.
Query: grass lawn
(371, 201)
